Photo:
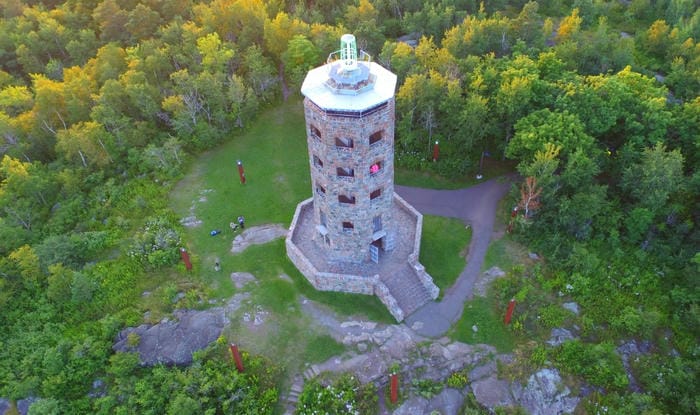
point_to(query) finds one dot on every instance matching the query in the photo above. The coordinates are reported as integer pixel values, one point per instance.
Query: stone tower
(355, 229)
(349, 110)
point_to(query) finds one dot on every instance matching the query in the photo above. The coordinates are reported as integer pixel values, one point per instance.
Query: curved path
(475, 206)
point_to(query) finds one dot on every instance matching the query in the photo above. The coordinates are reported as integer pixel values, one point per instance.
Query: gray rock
(172, 342)
(23, 405)
(412, 406)
(545, 394)
(447, 402)
(257, 235)
(492, 392)
(630, 351)
(484, 280)
(573, 307)
(559, 336)
(240, 279)
(533, 256)
(483, 371)
(4, 406)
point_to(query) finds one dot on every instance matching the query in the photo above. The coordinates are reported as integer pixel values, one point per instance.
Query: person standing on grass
(241, 222)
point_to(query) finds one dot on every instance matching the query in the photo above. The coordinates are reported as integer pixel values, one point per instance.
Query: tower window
(344, 142)
(375, 168)
(345, 172)
(322, 218)
(320, 190)
(376, 137)
(348, 227)
(377, 224)
(375, 194)
(346, 199)
(317, 161)
(315, 132)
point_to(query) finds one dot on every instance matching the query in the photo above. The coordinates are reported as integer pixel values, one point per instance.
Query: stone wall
(325, 157)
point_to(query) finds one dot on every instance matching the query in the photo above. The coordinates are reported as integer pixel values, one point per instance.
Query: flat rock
(172, 342)
(559, 336)
(4, 406)
(448, 401)
(482, 283)
(545, 394)
(257, 235)
(412, 406)
(573, 307)
(240, 279)
(492, 392)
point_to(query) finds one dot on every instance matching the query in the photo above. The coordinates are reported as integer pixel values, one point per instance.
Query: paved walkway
(475, 206)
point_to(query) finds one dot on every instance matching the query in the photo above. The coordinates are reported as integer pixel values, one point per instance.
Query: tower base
(398, 279)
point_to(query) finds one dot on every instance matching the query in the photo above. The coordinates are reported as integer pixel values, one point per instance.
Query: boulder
(545, 394)
(573, 307)
(559, 336)
(257, 235)
(172, 342)
(5, 406)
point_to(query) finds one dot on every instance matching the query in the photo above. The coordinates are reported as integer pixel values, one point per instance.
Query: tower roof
(345, 83)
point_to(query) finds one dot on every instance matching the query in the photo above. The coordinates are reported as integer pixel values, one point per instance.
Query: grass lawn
(443, 249)
(505, 253)
(481, 313)
(275, 158)
(417, 178)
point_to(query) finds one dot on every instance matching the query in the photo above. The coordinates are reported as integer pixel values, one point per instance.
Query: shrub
(598, 364)
(458, 380)
(344, 396)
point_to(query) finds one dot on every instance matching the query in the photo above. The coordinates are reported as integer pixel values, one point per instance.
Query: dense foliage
(102, 103)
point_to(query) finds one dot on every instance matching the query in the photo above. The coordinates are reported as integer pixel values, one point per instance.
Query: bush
(458, 380)
(344, 396)
(598, 364)
(157, 244)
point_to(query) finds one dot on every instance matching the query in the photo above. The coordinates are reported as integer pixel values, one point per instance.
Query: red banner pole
(237, 357)
(241, 173)
(394, 387)
(436, 151)
(186, 259)
(509, 312)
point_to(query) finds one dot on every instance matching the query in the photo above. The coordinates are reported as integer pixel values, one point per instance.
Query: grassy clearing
(480, 312)
(277, 173)
(430, 180)
(444, 245)
(505, 253)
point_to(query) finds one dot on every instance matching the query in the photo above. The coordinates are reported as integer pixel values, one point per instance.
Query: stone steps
(407, 289)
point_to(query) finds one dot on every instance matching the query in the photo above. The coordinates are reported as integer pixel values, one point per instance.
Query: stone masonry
(355, 234)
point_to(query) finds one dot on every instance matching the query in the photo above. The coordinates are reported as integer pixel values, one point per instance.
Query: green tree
(300, 56)
(655, 179)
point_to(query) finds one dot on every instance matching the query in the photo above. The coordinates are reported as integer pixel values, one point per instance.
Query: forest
(103, 103)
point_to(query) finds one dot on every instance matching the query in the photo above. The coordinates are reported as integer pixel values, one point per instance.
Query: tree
(657, 177)
(215, 54)
(86, 142)
(529, 196)
(280, 31)
(562, 129)
(301, 55)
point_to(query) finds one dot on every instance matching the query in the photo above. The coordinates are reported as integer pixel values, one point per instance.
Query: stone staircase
(291, 398)
(405, 286)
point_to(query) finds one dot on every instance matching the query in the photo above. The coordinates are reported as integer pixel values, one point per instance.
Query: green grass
(444, 245)
(321, 348)
(489, 321)
(505, 253)
(430, 180)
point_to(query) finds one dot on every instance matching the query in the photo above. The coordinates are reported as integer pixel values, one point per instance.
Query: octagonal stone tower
(355, 234)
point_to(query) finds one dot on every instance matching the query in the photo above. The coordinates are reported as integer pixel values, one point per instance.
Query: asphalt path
(475, 206)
